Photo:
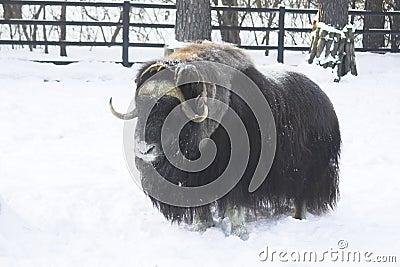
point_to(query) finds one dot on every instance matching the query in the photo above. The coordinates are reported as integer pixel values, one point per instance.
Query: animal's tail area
(324, 195)
(320, 193)
(321, 180)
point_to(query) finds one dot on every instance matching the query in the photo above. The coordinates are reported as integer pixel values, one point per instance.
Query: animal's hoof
(226, 226)
(238, 230)
(201, 226)
(241, 232)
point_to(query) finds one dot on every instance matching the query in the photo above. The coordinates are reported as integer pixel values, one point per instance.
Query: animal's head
(180, 94)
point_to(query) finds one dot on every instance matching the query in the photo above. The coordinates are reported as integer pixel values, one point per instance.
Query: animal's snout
(147, 152)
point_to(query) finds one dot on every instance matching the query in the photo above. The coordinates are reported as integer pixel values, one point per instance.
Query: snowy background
(67, 198)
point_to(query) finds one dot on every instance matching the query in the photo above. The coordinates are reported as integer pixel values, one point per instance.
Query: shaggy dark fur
(305, 167)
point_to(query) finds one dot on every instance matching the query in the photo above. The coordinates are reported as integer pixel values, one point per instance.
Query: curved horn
(127, 116)
(161, 88)
(156, 66)
(193, 116)
(202, 103)
(188, 111)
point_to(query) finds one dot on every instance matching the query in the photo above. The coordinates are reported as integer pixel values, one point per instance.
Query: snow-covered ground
(67, 198)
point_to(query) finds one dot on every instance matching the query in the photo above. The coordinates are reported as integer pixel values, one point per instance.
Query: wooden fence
(127, 25)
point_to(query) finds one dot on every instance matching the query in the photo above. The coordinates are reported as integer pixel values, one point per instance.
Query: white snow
(330, 29)
(67, 198)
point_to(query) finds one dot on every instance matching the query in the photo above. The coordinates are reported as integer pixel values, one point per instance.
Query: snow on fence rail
(125, 24)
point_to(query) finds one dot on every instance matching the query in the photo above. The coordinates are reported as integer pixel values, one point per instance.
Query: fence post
(281, 33)
(125, 33)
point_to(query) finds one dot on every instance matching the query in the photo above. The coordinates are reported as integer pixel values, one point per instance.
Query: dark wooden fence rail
(126, 25)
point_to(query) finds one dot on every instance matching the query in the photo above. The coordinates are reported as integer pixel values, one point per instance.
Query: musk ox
(304, 172)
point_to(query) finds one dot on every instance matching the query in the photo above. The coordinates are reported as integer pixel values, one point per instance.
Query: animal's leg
(300, 209)
(234, 222)
(202, 219)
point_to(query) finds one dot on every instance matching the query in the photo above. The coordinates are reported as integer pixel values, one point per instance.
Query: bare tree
(118, 29)
(270, 18)
(373, 41)
(229, 18)
(333, 39)
(63, 31)
(394, 24)
(334, 13)
(35, 27)
(193, 20)
(15, 12)
(46, 47)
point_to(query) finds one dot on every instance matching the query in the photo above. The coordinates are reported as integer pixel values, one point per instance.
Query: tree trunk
(373, 41)
(15, 12)
(229, 18)
(271, 17)
(353, 6)
(63, 31)
(334, 13)
(118, 29)
(193, 20)
(395, 26)
(46, 47)
(333, 45)
(35, 27)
